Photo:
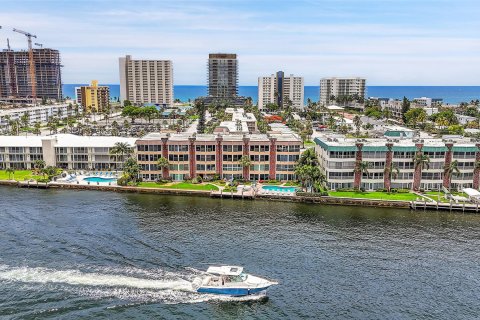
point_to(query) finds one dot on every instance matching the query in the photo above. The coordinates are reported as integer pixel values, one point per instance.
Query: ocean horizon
(449, 94)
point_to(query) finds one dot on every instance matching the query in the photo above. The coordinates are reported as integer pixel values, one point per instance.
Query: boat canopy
(225, 270)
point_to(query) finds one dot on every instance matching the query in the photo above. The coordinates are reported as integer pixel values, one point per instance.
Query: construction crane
(39, 45)
(31, 62)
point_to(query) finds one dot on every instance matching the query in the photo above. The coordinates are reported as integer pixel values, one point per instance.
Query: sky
(389, 42)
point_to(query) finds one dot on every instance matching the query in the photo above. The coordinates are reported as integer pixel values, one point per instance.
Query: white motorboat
(232, 281)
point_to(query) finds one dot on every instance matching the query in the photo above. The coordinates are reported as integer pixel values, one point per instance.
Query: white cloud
(329, 39)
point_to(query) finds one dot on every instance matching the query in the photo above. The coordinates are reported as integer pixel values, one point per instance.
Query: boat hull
(234, 292)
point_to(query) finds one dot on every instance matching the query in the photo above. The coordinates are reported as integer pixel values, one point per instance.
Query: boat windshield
(240, 278)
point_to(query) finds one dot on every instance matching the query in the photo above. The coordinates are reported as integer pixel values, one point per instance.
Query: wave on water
(125, 284)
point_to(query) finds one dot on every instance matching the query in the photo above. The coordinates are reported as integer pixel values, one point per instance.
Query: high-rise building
(334, 89)
(15, 79)
(281, 90)
(93, 97)
(222, 75)
(146, 81)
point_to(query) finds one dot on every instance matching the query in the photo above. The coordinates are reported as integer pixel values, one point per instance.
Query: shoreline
(325, 200)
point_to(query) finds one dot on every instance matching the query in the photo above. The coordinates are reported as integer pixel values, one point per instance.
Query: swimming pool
(99, 179)
(279, 188)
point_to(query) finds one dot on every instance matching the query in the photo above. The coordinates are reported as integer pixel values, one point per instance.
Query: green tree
(163, 162)
(357, 121)
(121, 149)
(451, 170)
(415, 116)
(131, 112)
(49, 172)
(131, 170)
(38, 165)
(422, 161)
(11, 172)
(405, 108)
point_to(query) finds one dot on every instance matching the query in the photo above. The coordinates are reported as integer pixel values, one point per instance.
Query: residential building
(241, 122)
(65, 151)
(39, 113)
(339, 88)
(146, 81)
(425, 102)
(281, 90)
(94, 97)
(209, 155)
(222, 75)
(340, 156)
(15, 77)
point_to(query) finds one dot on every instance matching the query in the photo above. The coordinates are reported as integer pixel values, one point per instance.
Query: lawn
(19, 175)
(181, 185)
(374, 195)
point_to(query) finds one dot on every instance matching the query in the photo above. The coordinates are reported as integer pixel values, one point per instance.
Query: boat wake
(135, 285)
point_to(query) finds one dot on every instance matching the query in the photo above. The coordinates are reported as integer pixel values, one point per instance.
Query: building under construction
(16, 80)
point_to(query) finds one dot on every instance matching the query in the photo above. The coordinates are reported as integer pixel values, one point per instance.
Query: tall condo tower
(281, 90)
(146, 81)
(222, 75)
(15, 76)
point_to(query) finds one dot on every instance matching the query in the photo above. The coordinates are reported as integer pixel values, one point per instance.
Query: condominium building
(65, 151)
(425, 102)
(15, 76)
(94, 97)
(222, 75)
(207, 155)
(340, 159)
(39, 114)
(281, 90)
(242, 122)
(146, 81)
(334, 89)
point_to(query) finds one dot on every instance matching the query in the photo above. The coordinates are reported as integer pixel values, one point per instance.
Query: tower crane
(31, 62)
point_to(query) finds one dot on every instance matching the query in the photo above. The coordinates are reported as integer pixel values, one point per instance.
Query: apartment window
(179, 167)
(232, 148)
(178, 148)
(205, 167)
(15, 150)
(261, 148)
(80, 157)
(208, 157)
(260, 167)
(178, 157)
(285, 167)
(288, 158)
(232, 167)
(34, 150)
(207, 148)
(230, 157)
(342, 154)
(80, 150)
(259, 158)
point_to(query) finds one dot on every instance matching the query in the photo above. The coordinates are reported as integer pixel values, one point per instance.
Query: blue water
(99, 179)
(99, 255)
(279, 189)
(449, 94)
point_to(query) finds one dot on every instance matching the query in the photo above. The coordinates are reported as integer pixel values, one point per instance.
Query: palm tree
(163, 164)
(391, 173)
(38, 165)
(11, 172)
(421, 161)
(357, 121)
(131, 169)
(363, 167)
(122, 149)
(451, 170)
(245, 163)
